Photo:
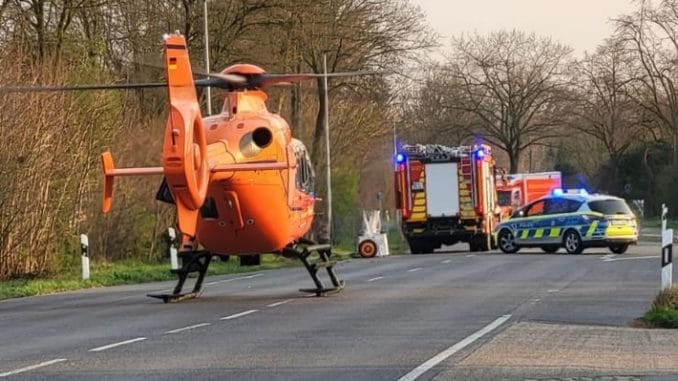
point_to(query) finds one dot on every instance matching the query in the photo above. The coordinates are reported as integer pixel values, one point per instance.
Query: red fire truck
(446, 195)
(516, 190)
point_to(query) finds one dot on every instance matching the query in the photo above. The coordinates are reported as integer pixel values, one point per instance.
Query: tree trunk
(319, 127)
(514, 160)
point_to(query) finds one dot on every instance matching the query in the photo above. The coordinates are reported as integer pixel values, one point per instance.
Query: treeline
(50, 177)
(608, 120)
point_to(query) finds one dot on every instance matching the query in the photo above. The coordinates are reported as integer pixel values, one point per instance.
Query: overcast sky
(581, 24)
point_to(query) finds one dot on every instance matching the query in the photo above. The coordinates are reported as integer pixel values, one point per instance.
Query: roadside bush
(664, 311)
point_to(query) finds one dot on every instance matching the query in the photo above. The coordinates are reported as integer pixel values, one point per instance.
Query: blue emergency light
(480, 154)
(560, 192)
(400, 158)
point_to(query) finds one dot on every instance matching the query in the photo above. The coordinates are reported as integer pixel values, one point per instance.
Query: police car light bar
(560, 192)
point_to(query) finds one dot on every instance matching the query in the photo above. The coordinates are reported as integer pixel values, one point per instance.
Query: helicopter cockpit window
(305, 176)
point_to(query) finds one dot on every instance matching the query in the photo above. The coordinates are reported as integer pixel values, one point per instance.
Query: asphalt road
(400, 317)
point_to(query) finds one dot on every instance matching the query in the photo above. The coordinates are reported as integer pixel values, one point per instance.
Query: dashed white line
(446, 261)
(628, 258)
(414, 269)
(235, 316)
(234, 279)
(470, 255)
(31, 367)
(187, 328)
(375, 278)
(279, 303)
(109, 346)
(440, 357)
(553, 290)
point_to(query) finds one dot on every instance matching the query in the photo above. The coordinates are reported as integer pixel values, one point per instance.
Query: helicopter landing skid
(192, 261)
(324, 252)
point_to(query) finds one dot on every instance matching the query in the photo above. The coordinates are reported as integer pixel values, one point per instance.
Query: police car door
(532, 218)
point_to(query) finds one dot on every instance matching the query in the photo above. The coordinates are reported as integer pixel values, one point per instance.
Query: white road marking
(279, 303)
(627, 258)
(31, 367)
(470, 255)
(553, 290)
(414, 269)
(109, 346)
(375, 278)
(442, 356)
(446, 261)
(187, 328)
(608, 256)
(235, 316)
(234, 279)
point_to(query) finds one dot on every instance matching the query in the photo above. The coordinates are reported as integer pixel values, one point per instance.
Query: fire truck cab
(446, 195)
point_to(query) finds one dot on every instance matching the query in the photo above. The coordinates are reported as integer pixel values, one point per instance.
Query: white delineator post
(174, 262)
(667, 252)
(84, 255)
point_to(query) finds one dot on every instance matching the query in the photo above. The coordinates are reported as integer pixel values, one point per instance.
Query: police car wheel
(619, 249)
(572, 242)
(507, 242)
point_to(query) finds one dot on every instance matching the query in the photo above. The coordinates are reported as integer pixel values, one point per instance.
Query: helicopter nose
(262, 137)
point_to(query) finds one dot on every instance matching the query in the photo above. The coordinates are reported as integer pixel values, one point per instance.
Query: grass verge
(664, 310)
(133, 272)
(656, 222)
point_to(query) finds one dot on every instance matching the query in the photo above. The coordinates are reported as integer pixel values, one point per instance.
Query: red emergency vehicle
(516, 190)
(446, 195)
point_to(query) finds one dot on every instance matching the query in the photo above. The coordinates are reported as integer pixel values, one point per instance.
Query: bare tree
(604, 109)
(356, 35)
(513, 82)
(652, 34)
(429, 115)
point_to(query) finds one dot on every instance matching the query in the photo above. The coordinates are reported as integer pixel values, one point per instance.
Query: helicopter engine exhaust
(254, 142)
(262, 137)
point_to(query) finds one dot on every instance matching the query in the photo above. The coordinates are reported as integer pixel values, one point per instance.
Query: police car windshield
(610, 206)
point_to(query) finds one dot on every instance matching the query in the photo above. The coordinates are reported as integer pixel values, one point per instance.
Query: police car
(573, 220)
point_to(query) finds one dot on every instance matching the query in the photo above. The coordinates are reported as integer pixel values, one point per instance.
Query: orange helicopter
(241, 184)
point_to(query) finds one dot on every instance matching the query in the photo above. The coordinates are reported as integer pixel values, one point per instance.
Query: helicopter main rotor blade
(33, 89)
(270, 79)
(218, 80)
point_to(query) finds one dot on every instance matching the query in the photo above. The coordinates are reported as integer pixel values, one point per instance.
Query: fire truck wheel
(507, 242)
(484, 242)
(420, 246)
(367, 248)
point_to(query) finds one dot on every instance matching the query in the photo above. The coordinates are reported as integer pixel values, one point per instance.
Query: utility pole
(207, 56)
(327, 148)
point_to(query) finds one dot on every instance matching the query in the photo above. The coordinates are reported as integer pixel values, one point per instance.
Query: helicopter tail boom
(110, 172)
